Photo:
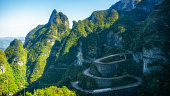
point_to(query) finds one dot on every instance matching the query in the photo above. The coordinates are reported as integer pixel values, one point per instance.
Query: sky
(18, 17)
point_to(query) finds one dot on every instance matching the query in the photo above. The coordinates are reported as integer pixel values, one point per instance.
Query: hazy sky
(18, 17)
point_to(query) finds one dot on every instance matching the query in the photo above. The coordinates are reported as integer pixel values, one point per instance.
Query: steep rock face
(58, 22)
(58, 18)
(80, 55)
(125, 5)
(138, 57)
(41, 40)
(113, 39)
(2, 69)
(151, 56)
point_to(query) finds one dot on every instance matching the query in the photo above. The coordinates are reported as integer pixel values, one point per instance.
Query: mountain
(13, 68)
(40, 41)
(17, 58)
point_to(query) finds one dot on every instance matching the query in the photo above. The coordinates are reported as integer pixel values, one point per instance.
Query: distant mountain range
(5, 41)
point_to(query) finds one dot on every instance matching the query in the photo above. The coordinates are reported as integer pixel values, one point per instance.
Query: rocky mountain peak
(58, 18)
(54, 17)
(128, 5)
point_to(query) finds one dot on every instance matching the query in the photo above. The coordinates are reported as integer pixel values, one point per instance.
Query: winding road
(86, 72)
(112, 89)
(75, 85)
(98, 61)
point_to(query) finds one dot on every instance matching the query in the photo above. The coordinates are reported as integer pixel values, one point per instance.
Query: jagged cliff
(40, 41)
